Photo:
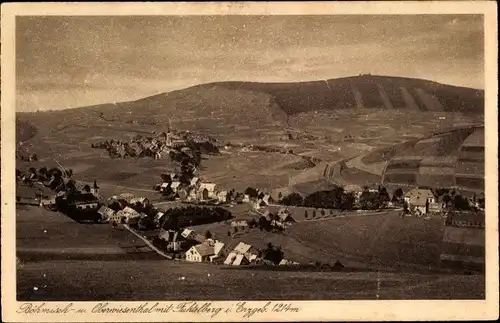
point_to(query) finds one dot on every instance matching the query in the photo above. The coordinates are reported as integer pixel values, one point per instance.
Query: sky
(74, 61)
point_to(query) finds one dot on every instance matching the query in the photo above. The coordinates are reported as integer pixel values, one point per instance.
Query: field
(162, 280)
(362, 121)
(359, 239)
(62, 261)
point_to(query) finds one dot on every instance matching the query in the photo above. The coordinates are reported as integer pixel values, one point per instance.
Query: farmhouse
(195, 181)
(129, 215)
(86, 201)
(139, 201)
(222, 196)
(200, 253)
(241, 224)
(127, 197)
(106, 213)
(284, 218)
(422, 200)
(172, 238)
(175, 186)
(242, 254)
(49, 203)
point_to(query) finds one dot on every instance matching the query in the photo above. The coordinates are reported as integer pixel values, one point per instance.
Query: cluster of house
(423, 201)
(74, 201)
(196, 190)
(157, 146)
(203, 249)
(282, 219)
(420, 201)
(124, 208)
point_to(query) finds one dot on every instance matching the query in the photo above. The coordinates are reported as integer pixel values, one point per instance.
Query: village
(190, 202)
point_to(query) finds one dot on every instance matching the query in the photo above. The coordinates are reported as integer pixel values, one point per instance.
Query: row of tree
(177, 218)
(338, 198)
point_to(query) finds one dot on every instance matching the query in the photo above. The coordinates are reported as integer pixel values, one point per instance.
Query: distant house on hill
(421, 200)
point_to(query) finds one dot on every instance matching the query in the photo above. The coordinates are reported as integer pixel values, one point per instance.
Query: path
(147, 242)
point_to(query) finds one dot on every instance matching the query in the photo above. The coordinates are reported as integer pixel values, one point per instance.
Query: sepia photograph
(247, 157)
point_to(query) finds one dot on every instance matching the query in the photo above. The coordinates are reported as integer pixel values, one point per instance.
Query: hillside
(255, 104)
(449, 158)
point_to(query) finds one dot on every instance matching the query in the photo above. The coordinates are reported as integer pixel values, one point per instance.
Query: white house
(142, 201)
(207, 190)
(195, 181)
(129, 215)
(200, 253)
(188, 234)
(242, 253)
(421, 200)
(126, 197)
(106, 213)
(222, 196)
(172, 239)
(175, 185)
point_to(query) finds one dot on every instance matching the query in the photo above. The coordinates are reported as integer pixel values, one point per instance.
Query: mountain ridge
(362, 91)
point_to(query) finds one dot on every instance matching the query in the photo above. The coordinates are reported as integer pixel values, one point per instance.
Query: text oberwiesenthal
(203, 308)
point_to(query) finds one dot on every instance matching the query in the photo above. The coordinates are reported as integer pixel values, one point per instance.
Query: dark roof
(82, 197)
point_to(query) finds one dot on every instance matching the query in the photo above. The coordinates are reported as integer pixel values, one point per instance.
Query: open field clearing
(41, 231)
(162, 280)
(80, 262)
(360, 238)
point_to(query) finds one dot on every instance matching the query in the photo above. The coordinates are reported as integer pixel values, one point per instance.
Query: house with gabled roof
(241, 254)
(129, 215)
(200, 253)
(106, 213)
(420, 200)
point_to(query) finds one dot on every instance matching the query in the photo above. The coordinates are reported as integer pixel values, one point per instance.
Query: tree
(369, 200)
(383, 196)
(293, 199)
(446, 199)
(251, 192)
(86, 188)
(314, 213)
(481, 202)
(322, 212)
(71, 186)
(280, 196)
(208, 234)
(166, 178)
(460, 203)
(348, 201)
(397, 195)
(306, 215)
